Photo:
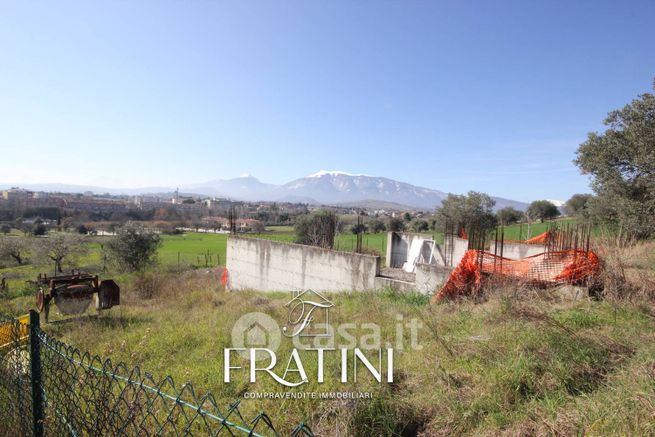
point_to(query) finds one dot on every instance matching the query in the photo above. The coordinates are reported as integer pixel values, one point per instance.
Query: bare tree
(13, 248)
(60, 248)
(317, 229)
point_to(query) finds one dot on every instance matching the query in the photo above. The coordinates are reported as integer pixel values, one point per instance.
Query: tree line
(132, 249)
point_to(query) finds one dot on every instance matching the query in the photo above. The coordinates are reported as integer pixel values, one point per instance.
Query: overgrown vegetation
(521, 363)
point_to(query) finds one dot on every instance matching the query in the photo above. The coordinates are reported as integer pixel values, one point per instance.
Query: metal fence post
(35, 363)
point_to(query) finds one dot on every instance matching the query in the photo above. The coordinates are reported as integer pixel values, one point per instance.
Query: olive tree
(578, 205)
(472, 211)
(378, 226)
(621, 163)
(396, 224)
(543, 210)
(134, 247)
(419, 225)
(60, 248)
(509, 215)
(13, 248)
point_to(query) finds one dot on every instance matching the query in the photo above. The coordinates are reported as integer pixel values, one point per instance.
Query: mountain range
(323, 187)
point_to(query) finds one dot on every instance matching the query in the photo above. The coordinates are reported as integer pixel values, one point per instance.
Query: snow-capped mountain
(333, 187)
(323, 187)
(322, 173)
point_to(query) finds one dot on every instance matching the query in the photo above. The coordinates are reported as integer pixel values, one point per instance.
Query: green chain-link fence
(48, 388)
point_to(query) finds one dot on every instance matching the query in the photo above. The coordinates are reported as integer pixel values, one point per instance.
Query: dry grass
(628, 269)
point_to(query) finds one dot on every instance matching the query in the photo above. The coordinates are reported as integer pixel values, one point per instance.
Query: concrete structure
(519, 250)
(399, 243)
(276, 266)
(430, 277)
(270, 265)
(398, 247)
(382, 282)
(433, 269)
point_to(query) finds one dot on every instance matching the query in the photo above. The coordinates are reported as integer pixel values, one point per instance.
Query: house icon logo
(309, 315)
(256, 335)
(256, 330)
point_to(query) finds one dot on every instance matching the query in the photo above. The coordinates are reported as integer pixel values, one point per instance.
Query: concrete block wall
(430, 277)
(519, 250)
(394, 284)
(275, 266)
(397, 249)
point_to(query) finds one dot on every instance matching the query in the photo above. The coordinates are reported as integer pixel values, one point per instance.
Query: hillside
(321, 188)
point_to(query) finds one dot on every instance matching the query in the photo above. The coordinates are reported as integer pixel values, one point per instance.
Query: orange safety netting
(539, 239)
(567, 266)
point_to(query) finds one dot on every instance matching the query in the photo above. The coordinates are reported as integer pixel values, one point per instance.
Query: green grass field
(520, 231)
(280, 229)
(191, 248)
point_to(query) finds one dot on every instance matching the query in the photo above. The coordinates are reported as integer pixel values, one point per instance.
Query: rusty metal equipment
(73, 293)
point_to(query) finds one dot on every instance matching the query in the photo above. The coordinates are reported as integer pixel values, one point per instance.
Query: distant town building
(16, 193)
(223, 224)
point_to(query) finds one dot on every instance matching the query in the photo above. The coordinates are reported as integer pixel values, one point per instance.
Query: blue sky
(452, 95)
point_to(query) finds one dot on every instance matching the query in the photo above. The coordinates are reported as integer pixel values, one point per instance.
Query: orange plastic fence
(567, 266)
(539, 239)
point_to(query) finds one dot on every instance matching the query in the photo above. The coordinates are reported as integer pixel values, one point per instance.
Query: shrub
(134, 247)
(147, 286)
(378, 226)
(317, 229)
(39, 229)
(396, 225)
